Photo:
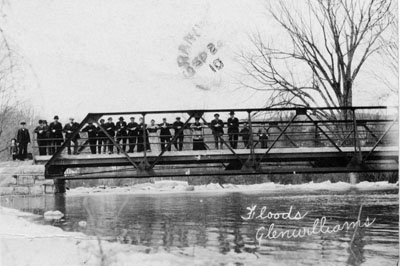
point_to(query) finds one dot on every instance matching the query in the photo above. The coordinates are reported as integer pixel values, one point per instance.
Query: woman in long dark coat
(198, 135)
(143, 134)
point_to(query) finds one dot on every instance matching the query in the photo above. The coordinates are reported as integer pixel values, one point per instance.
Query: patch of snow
(82, 223)
(53, 215)
(171, 186)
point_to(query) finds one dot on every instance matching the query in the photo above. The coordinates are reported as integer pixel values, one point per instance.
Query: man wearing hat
(56, 136)
(233, 129)
(165, 134)
(110, 128)
(47, 140)
(217, 127)
(41, 137)
(245, 133)
(178, 128)
(23, 139)
(121, 132)
(92, 136)
(101, 137)
(132, 134)
(143, 136)
(69, 129)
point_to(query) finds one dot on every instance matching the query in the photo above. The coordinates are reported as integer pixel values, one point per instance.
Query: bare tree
(7, 90)
(8, 99)
(389, 53)
(330, 42)
(12, 107)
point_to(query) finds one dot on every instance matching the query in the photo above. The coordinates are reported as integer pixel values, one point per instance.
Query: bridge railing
(295, 127)
(303, 134)
(268, 128)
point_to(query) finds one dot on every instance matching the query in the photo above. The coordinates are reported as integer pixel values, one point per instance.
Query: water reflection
(214, 221)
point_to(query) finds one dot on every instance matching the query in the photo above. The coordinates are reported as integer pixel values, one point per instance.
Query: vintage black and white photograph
(207, 133)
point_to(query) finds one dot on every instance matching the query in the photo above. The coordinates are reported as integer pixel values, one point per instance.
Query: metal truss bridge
(280, 141)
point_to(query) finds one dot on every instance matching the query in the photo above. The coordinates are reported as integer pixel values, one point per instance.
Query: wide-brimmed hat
(23, 123)
(231, 112)
(178, 118)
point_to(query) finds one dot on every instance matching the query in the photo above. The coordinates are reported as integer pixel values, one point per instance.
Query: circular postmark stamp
(198, 58)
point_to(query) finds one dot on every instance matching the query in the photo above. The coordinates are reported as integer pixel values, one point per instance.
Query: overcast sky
(93, 56)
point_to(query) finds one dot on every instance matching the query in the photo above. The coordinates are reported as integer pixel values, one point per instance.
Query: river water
(221, 223)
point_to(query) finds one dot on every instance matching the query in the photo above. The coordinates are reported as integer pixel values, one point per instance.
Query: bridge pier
(59, 186)
(354, 178)
(56, 172)
(355, 163)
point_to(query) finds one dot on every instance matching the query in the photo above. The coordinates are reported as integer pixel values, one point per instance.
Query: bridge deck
(216, 156)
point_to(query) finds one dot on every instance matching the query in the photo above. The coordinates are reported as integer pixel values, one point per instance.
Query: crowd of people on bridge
(130, 136)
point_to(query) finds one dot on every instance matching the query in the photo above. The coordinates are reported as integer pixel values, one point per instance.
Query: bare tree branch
(331, 48)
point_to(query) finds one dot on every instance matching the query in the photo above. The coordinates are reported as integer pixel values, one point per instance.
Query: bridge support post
(357, 163)
(251, 163)
(59, 186)
(357, 146)
(317, 137)
(353, 178)
(144, 161)
(55, 172)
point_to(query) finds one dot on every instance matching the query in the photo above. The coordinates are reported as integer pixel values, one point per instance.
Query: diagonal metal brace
(118, 146)
(279, 136)
(88, 118)
(290, 140)
(172, 140)
(224, 142)
(84, 145)
(323, 132)
(379, 140)
(370, 132)
(346, 138)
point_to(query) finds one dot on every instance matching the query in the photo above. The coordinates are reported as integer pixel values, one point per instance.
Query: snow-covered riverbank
(29, 244)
